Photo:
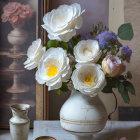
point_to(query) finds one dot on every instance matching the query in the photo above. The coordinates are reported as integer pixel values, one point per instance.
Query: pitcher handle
(116, 105)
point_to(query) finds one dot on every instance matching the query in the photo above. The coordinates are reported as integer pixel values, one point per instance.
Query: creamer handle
(116, 105)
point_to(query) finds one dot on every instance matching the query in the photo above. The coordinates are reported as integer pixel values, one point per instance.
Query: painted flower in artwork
(16, 13)
(61, 23)
(89, 79)
(53, 68)
(87, 51)
(34, 54)
(112, 66)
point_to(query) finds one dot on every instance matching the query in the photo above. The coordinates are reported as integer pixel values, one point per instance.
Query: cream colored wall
(121, 11)
(116, 14)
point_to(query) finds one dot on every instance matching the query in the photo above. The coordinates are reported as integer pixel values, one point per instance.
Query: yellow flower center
(87, 51)
(89, 80)
(52, 70)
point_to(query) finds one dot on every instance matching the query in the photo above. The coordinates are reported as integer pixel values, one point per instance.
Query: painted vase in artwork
(17, 37)
(19, 123)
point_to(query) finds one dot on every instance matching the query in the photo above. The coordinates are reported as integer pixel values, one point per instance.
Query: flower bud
(112, 66)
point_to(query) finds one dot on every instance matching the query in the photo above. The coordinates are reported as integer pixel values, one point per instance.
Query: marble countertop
(131, 130)
(113, 129)
(5, 135)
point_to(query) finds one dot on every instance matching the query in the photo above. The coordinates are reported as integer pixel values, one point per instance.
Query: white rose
(89, 79)
(53, 68)
(87, 51)
(34, 54)
(61, 23)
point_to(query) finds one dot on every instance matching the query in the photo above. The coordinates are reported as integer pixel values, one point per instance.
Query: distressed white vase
(83, 116)
(19, 123)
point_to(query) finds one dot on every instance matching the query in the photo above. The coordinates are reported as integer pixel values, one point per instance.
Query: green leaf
(52, 43)
(95, 29)
(75, 40)
(70, 46)
(129, 87)
(58, 91)
(121, 77)
(64, 87)
(124, 93)
(125, 31)
(107, 89)
(78, 37)
(64, 45)
(113, 50)
(114, 82)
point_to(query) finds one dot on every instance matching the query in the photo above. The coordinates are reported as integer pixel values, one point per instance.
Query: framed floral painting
(20, 24)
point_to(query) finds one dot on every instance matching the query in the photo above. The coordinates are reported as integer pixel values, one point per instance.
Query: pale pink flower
(4, 18)
(112, 66)
(13, 19)
(11, 7)
(27, 12)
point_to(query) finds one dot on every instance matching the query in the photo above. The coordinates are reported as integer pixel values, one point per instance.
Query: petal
(34, 48)
(51, 37)
(66, 76)
(55, 85)
(66, 37)
(30, 64)
(38, 79)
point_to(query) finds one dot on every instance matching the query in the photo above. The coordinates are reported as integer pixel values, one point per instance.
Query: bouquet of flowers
(89, 63)
(16, 13)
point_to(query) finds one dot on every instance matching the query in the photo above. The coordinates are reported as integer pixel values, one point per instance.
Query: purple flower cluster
(127, 52)
(106, 38)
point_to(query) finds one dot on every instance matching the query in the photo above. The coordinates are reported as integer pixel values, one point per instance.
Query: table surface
(5, 135)
(113, 129)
